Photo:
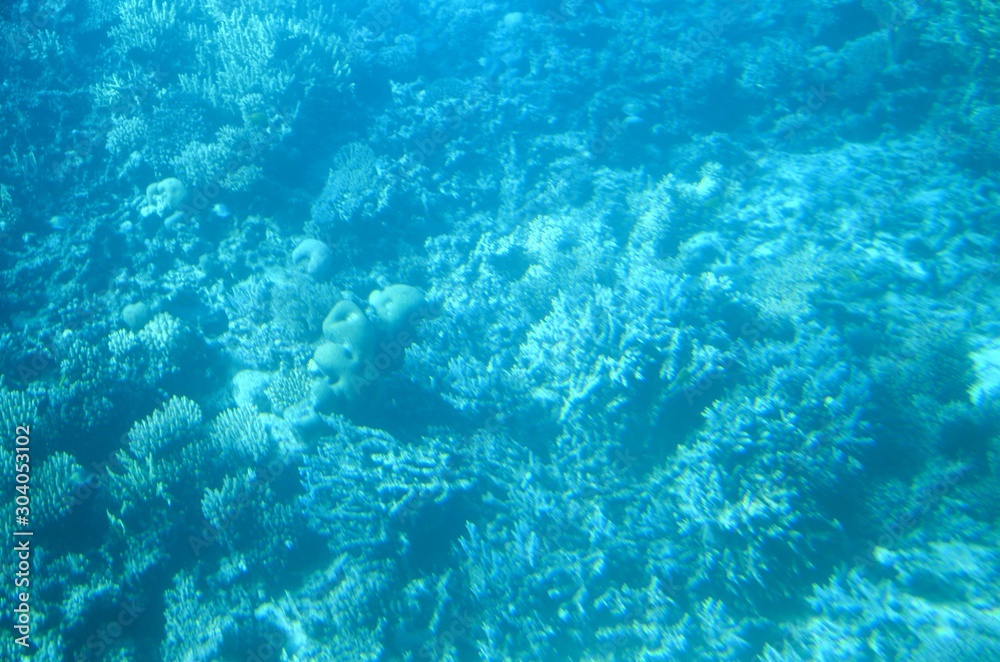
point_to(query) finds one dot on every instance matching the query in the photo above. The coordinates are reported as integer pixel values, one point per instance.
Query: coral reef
(453, 331)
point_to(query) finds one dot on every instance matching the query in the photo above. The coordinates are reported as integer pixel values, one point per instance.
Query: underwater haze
(440, 330)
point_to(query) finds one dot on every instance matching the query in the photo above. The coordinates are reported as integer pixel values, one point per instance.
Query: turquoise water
(458, 331)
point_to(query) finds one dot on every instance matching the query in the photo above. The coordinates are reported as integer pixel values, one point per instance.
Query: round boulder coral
(315, 257)
(341, 360)
(347, 324)
(136, 315)
(338, 361)
(342, 370)
(397, 306)
(165, 197)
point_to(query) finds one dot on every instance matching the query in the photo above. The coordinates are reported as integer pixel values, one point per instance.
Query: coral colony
(461, 331)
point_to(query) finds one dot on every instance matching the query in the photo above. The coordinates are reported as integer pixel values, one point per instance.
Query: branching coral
(16, 408)
(756, 482)
(361, 483)
(351, 188)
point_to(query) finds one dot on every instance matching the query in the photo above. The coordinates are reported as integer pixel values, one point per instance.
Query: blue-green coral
(691, 361)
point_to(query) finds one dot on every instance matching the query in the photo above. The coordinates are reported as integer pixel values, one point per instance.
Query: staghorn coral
(756, 481)
(288, 388)
(977, 639)
(351, 189)
(387, 478)
(144, 25)
(881, 630)
(150, 354)
(165, 428)
(246, 299)
(55, 481)
(333, 633)
(242, 76)
(202, 163)
(259, 531)
(192, 630)
(783, 289)
(240, 436)
(153, 464)
(16, 408)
